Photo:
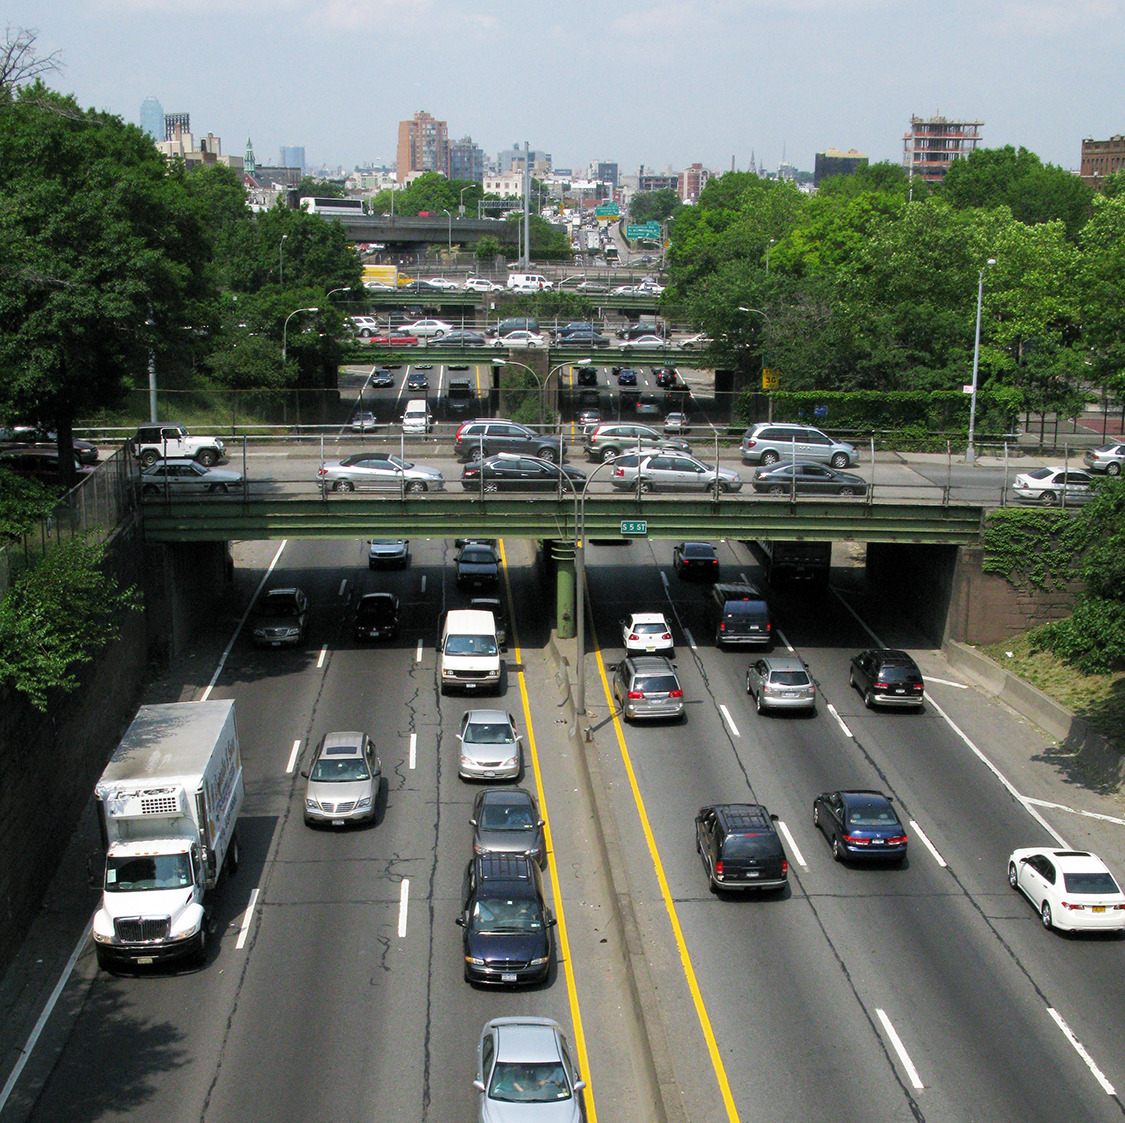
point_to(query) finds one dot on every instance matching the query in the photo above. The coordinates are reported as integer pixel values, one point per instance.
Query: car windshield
(279, 606)
(529, 1083)
(691, 551)
(898, 674)
(502, 914)
(150, 871)
(789, 678)
(470, 645)
(376, 610)
(478, 556)
(754, 844)
(488, 733)
(872, 817)
(506, 817)
(655, 684)
(650, 629)
(342, 771)
(1091, 881)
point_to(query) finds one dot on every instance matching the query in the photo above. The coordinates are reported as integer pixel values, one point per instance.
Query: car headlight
(473, 961)
(365, 802)
(466, 761)
(509, 763)
(311, 804)
(540, 961)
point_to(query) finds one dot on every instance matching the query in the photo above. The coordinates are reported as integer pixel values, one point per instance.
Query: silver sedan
(180, 475)
(378, 472)
(676, 471)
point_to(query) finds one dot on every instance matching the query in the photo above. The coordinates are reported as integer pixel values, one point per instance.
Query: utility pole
(526, 205)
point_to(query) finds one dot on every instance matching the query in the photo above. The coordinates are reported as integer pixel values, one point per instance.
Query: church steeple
(248, 163)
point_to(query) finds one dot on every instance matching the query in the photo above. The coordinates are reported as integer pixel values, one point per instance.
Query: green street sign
(642, 231)
(607, 210)
(634, 526)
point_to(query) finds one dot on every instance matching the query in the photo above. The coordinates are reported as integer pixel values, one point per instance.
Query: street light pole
(450, 232)
(769, 394)
(768, 244)
(285, 328)
(461, 204)
(544, 382)
(281, 261)
(970, 453)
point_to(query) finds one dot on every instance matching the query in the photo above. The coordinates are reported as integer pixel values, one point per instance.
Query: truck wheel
(232, 855)
(104, 960)
(148, 458)
(207, 457)
(199, 952)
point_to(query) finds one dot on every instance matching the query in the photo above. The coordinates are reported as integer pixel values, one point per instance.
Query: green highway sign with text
(634, 526)
(608, 210)
(642, 231)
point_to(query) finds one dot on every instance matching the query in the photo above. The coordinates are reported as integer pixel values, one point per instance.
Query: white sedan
(520, 338)
(1071, 889)
(426, 329)
(443, 283)
(482, 284)
(647, 632)
(650, 341)
(1053, 486)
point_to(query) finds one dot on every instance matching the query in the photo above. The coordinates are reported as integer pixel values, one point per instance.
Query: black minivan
(740, 615)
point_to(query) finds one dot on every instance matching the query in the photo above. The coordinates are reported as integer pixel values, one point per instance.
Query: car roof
(697, 546)
(893, 655)
(648, 618)
(649, 663)
(290, 592)
(864, 797)
(383, 595)
(487, 717)
(1074, 860)
(504, 867)
(737, 591)
(744, 816)
(525, 1040)
(344, 744)
(784, 663)
(507, 796)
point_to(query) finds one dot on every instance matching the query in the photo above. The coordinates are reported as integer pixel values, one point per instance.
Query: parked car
(281, 616)
(506, 924)
(626, 376)
(740, 848)
(1109, 458)
(477, 567)
(343, 780)
(506, 821)
(509, 471)
(525, 1074)
(780, 682)
(387, 552)
(378, 472)
(520, 339)
(807, 479)
(376, 616)
(40, 464)
(675, 471)
(417, 380)
(487, 436)
(490, 746)
(181, 476)
(766, 443)
(886, 677)
(646, 686)
(696, 559)
(860, 824)
(647, 632)
(1072, 890)
(1054, 487)
(610, 439)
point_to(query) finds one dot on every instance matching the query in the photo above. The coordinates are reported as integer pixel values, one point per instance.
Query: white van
(469, 657)
(417, 417)
(529, 282)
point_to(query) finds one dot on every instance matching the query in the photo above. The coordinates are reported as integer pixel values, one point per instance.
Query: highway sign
(607, 210)
(642, 231)
(771, 379)
(634, 526)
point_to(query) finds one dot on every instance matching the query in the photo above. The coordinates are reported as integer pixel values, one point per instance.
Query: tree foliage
(653, 206)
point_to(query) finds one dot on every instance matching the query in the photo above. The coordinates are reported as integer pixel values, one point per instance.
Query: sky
(662, 83)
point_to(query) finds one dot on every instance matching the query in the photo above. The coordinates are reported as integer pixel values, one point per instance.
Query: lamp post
(542, 383)
(769, 394)
(461, 203)
(768, 244)
(970, 453)
(450, 232)
(281, 261)
(285, 328)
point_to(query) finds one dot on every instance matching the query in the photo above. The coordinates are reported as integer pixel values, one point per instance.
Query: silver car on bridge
(378, 472)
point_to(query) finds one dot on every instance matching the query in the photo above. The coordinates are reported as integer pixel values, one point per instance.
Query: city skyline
(664, 84)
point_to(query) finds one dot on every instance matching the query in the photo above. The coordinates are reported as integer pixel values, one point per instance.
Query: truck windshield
(151, 871)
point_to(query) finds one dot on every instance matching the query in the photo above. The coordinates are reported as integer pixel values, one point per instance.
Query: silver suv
(646, 686)
(610, 439)
(343, 782)
(767, 443)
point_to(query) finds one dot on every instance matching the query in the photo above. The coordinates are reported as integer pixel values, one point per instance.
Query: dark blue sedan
(626, 376)
(860, 824)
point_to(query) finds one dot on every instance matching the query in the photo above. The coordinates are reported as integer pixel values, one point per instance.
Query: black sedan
(477, 567)
(665, 377)
(583, 338)
(376, 616)
(511, 472)
(860, 824)
(417, 380)
(807, 479)
(381, 378)
(887, 677)
(463, 339)
(696, 559)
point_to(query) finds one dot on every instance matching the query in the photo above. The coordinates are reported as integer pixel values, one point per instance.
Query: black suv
(486, 436)
(740, 848)
(740, 615)
(886, 677)
(505, 921)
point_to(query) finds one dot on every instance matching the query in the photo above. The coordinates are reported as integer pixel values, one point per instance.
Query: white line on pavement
(691, 640)
(418, 653)
(1076, 811)
(293, 756)
(730, 721)
(927, 843)
(403, 896)
(793, 845)
(323, 655)
(743, 578)
(788, 645)
(946, 682)
(1107, 1087)
(343, 587)
(423, 582)
(249, 915)
(903, 1056)
(664, 578)
(413, 749)
(839, 720)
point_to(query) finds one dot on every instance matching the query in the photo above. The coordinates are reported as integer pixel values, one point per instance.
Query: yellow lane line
(666, 893)
(564, 942)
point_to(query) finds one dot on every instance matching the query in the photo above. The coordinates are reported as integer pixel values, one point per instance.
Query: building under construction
(933, 143)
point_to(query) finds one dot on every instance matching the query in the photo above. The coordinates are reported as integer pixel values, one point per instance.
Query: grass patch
(1097, 699)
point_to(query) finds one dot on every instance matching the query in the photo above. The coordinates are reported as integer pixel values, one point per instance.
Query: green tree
(103, 259)
(310, 188)
(23, 503)
(653, 206)
(1101, 291)
(488, 249)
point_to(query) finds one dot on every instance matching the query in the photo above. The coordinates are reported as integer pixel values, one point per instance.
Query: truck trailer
(168, 805)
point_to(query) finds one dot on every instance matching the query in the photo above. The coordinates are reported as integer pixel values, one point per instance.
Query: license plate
(1098, 908)
(275, 643)
(900, 690)
(878, 842)
(751, 873)
(337, 822)
(790, 694)
(507, 978)
(145, 960)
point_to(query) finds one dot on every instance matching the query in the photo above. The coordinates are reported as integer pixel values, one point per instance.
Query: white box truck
(168, 805)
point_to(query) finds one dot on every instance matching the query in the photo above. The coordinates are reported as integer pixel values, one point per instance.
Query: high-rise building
(933, 143)
(606, 172)
(152, 118)
(834, 162)
(293, 157)
(1101, 158)
(466, 160)
(174, 121)
(511, 160)
(423, 146)
(690, 183)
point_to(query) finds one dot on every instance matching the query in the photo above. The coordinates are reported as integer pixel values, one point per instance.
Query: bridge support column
(565, 618)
